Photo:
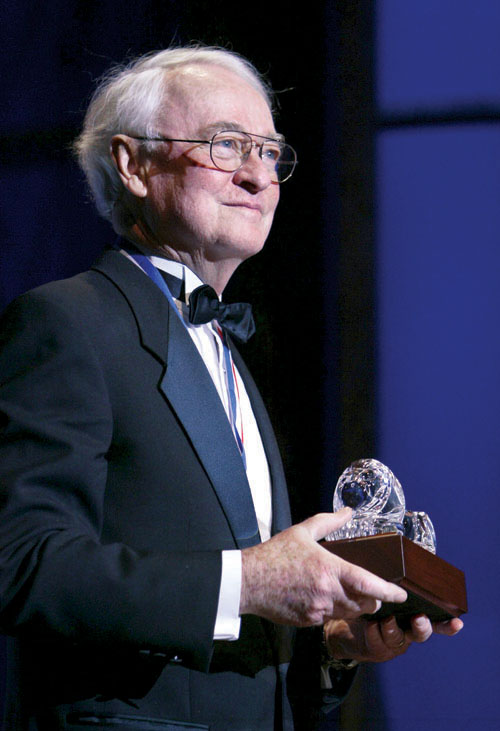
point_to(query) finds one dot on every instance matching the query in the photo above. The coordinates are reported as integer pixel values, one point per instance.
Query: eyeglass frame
(257, 145)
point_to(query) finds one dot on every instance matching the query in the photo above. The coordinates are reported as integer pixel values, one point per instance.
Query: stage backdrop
(438, 301)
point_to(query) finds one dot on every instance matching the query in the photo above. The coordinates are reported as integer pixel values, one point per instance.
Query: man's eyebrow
(215, 127)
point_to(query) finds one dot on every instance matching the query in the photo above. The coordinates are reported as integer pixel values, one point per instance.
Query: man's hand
(291, 579)
(371, 641)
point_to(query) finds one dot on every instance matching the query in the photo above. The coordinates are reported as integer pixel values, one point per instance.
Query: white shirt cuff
(228, 621)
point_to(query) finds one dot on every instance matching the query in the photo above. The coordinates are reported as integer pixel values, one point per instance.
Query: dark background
(377, 294)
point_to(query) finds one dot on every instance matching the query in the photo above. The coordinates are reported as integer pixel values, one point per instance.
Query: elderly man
(140, 478)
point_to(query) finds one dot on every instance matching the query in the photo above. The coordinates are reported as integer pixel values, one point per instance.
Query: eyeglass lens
(230, 149)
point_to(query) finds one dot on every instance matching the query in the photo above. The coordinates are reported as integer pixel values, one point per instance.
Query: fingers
(350, 608)
(398, 640)
(361, 583)
(322, 524)
(371, 641)
(370, 605)
(367, 641)
(291, 579)
(449, 628)
(395, 639)
(393, 636)
(421, 628)
(365, 590)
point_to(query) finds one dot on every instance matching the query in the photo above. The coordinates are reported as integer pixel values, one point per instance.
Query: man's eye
(271, 152)
(227, 145)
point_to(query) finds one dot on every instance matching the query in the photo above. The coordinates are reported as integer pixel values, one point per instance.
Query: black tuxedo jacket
(120, 485)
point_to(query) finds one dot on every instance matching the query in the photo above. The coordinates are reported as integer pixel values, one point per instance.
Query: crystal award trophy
(397, 544)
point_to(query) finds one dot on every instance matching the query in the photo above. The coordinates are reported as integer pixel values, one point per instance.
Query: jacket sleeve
(58, 580)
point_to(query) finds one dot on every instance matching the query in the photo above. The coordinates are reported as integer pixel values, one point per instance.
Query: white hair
(127, 100)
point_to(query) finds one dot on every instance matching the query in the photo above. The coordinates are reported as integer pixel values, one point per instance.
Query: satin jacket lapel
(190, 391)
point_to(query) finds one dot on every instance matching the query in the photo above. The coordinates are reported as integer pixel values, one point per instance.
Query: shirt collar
(181, 271)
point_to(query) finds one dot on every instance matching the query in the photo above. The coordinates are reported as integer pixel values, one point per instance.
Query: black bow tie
(236, 318)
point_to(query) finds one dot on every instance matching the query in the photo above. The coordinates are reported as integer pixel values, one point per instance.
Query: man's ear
(124, 152)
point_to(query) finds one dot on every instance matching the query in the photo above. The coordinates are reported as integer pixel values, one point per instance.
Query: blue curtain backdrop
(438, 264)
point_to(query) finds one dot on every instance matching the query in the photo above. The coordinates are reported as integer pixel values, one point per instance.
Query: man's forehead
(194, 75)
(202, 81)
(223, 124)
(212, 98)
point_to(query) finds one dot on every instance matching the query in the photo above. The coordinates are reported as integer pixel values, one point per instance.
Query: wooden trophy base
(435, 587)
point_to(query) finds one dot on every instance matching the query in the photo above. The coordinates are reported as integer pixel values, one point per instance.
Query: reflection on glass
(376, 497)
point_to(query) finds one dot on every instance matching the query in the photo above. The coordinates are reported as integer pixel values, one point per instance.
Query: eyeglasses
(230, 149)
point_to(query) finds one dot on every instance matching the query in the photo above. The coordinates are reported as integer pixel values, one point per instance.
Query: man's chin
(245, 248)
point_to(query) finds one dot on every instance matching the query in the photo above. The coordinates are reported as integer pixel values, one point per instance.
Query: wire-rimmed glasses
(230, 149)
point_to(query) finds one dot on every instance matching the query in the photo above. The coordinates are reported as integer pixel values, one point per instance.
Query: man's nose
(254, 172)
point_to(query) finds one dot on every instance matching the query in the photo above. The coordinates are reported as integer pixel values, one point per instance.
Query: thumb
(322, 524)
